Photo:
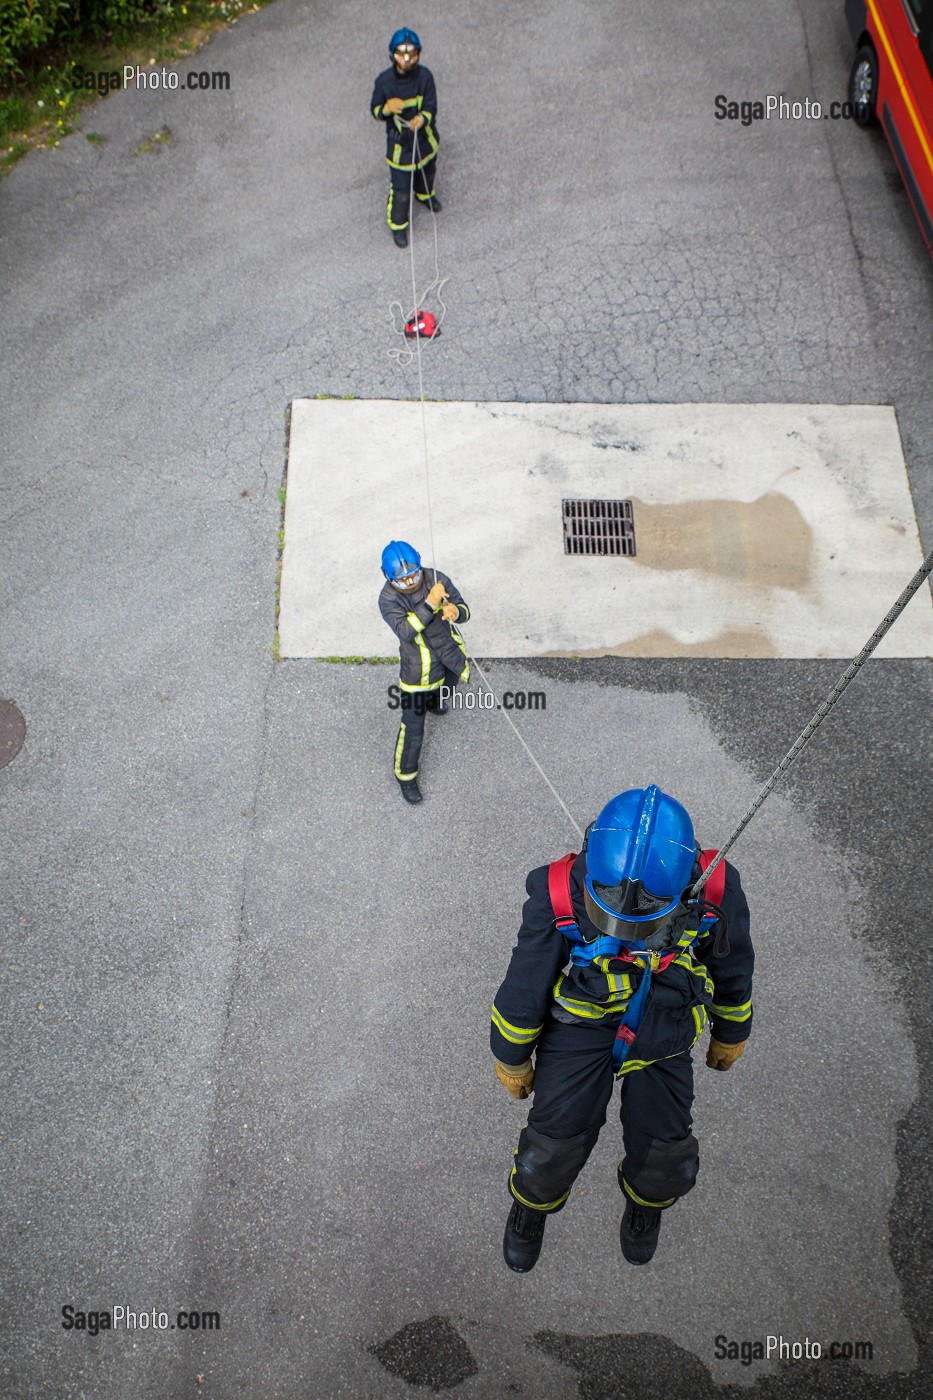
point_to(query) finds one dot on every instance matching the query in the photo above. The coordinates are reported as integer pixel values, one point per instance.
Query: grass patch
(42, 104)
(162, 137)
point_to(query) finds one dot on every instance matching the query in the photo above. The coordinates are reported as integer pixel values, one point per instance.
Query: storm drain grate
(599, 527)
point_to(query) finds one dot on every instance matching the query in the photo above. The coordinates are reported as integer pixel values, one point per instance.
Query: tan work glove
(720, 1056)
(416, 122)
(437, 595)
(393, 106)
(518, 1079)
(450, 612)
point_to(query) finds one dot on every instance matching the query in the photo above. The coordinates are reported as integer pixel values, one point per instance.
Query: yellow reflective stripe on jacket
(686, 961)
(551, 1205)
(628, 1064)
(619, 983)
(395, 160)
(465, 673)
(425, 681)
(592, 1010)
(518, 1035)
(419, 689)
(415, 621)
(732, 1013)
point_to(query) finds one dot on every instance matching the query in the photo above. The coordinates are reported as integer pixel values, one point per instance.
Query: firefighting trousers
(573, 1084)
(415, 705)
(400, 192)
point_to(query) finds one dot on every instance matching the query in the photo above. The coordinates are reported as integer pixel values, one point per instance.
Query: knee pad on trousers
(546, 1167)
(662, 1171)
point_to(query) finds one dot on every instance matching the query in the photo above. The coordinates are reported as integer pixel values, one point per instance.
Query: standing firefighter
(404, 97)
(431, 653)
(648, 968)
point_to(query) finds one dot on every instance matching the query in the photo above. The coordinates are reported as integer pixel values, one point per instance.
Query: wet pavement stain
(732, 642)
(765, 542)
(430, 1353)
(641, 1366)
(12, 732)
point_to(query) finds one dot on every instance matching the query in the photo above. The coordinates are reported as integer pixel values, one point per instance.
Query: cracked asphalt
(245, 992)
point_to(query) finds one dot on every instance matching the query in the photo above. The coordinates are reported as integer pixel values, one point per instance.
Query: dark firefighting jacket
(427, 644)
(695, 989)
(417, 91)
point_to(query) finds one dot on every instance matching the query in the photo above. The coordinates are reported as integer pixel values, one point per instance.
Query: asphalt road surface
(246, 991)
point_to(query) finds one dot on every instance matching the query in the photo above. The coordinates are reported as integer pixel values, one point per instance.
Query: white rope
(848, 675)
(505, 714)
(403, 355)
(797, 748)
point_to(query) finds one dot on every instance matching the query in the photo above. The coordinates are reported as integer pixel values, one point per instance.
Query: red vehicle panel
(892, 82)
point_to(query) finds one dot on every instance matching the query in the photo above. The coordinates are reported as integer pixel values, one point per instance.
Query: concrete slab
(781, 530)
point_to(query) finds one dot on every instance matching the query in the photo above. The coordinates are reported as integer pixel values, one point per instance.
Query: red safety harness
(558, 883)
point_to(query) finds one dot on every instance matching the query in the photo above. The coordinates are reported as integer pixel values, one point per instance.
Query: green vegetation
(158, 138)
(56, 57)
(359, 660)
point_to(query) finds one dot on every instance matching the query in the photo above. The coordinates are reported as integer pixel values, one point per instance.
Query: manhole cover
(599, 527)
(12, 732)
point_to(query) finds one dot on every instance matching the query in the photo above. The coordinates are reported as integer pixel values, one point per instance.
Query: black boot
(410, 790)
(524, 1236)
(639, 1232)
(401, 237)
(432, 202)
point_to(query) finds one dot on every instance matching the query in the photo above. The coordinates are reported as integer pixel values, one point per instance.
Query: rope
(505, 715)
(403, 357)
(848, 675)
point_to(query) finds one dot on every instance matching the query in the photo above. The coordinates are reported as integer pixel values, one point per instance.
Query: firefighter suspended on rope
(649, 969)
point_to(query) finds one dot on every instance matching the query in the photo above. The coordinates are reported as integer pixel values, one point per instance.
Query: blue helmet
(640, 854)
(404, 36)
(400, 559)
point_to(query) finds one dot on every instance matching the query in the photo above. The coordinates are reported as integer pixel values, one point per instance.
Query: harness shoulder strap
(558, 888)
(715, 887)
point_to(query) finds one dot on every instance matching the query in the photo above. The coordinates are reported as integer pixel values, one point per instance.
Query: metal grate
(599, 527)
